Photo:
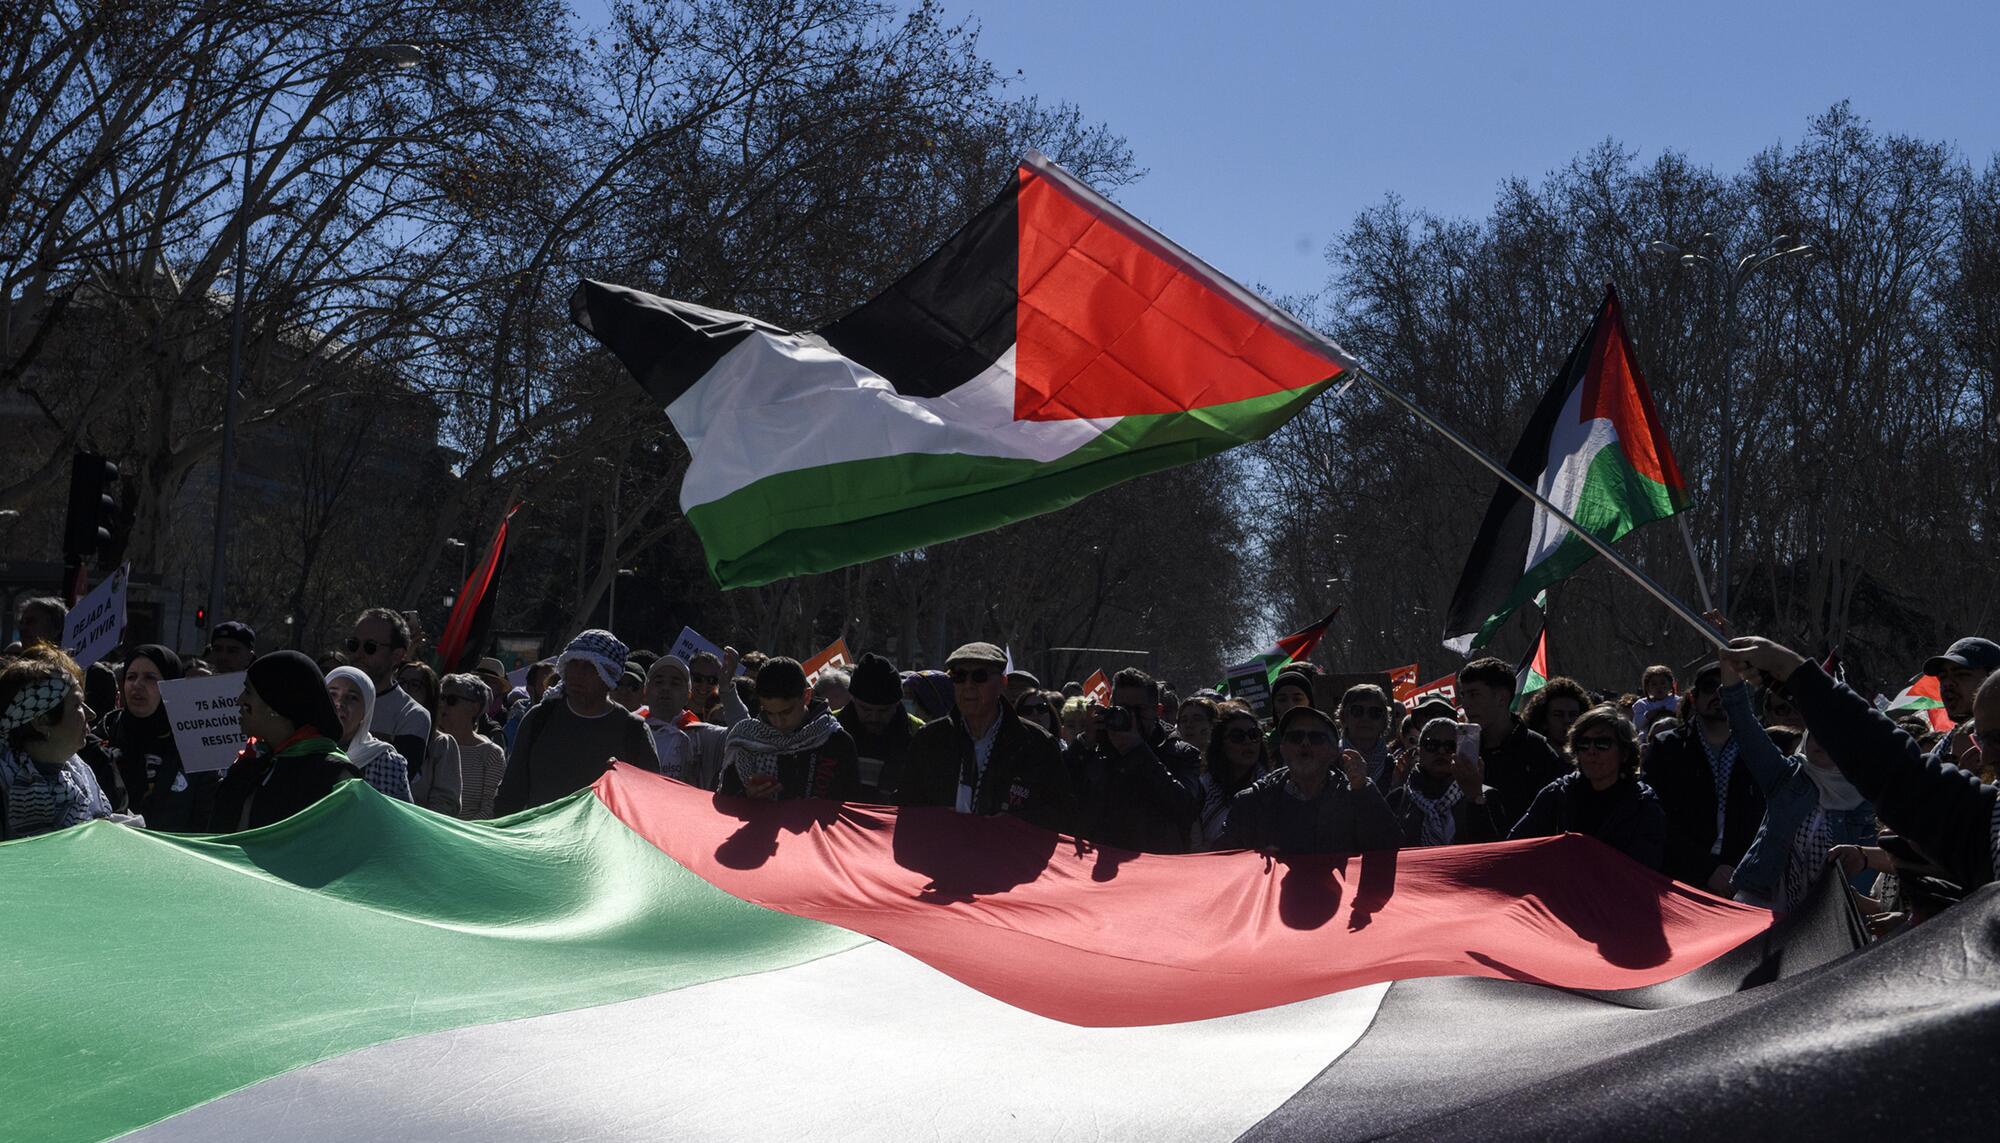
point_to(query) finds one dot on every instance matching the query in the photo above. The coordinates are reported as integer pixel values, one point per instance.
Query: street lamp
(399, 56)
(1732, 275)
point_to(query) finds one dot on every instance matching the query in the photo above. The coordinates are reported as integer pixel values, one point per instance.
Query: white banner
(97, 622)
(691, 644)
(203, 714)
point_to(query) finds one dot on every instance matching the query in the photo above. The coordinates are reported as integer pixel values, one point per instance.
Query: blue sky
(1266, 126)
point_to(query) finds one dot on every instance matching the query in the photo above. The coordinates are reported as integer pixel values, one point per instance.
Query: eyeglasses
(1308, 738)
(706, 680)
(977, 676)
(1583, 745)
(1368, 711)
(367, 646)
(1240, 736)
(1440, 746)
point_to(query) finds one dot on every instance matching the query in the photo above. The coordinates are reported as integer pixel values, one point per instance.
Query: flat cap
(977, 653)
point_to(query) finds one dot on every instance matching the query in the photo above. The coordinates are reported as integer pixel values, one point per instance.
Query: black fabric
(1520, 766)
(1024, 772)
(950, 318)
(168, 663)
(1268, 817)
(828, 770)
(290, 684)
(667, 345)
(148, 764)
(1472, 823)
(1946, 811)
(875, 680)
(891, 747)
(260, 790)
(1894, 1041)
(1144, 799)
(1677, 768)
(1627, 817)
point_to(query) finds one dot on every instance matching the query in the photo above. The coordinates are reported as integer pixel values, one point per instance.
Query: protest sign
(203, 714)
(1404, 678)
(834, 656)
(1097, 688)
(1445, 688)
(691, 644)
(1250, 683)
(97, 622)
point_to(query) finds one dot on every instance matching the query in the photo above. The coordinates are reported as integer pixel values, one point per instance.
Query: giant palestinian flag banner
(649, 960)
(1053, 347)
(1594, 448)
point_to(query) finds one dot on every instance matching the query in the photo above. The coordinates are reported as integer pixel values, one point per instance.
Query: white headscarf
(366, 747)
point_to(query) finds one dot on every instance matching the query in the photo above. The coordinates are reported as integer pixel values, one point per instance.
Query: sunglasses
(1368, 711)
(1308, 738)
(367, 646)
(974, 675)
(1582, 745)
(1240, 736)
(707, 680)
(1440, 746)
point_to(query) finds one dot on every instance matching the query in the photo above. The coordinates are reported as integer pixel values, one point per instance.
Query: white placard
(691, 644)
(97, 622)
(203, 714)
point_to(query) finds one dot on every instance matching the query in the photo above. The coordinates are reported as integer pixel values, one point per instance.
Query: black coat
(1628, 816)
(260, 790)
(149, 765)
(1948, 813)
(1024, 772)
(1340, 820)
(1518, 768)
(890, 747)
(1144, 799)
(1676, 767)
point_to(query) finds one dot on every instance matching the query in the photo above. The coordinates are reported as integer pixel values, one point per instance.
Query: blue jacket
(1947, 812)
(1789, 799)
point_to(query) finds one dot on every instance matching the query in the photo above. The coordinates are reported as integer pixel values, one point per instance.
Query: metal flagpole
(1687, 614)
(1700, 582)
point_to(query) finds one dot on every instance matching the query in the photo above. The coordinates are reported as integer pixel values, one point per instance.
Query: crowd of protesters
(1747, 786)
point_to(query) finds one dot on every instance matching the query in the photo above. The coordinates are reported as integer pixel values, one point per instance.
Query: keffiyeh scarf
(754, 746)
(41, 799)
(1440, 824)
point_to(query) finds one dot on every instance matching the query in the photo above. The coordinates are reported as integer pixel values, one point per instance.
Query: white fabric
(865, 1045)
(365, 748)
(982, 749)
(746, 418)
(1578, 442)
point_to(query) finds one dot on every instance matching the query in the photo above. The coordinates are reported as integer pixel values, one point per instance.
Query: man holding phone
(1137, 783)
(1518, 761)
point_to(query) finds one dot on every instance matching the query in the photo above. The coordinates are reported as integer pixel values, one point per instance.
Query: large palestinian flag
(1595, 449)
(647, 960)
(1053, 347)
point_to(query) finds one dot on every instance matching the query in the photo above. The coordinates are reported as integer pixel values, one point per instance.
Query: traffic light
(92, 511)
(201, 618)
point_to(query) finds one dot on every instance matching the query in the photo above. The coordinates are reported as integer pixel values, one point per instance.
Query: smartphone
(1468, 741)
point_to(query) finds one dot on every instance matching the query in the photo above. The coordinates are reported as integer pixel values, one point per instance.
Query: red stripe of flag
(466, 607)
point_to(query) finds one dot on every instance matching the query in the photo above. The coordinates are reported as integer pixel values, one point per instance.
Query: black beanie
(876, 681)
(1294, 678)
(292, 686)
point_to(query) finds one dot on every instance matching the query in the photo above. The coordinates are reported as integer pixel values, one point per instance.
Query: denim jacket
(1789, 798)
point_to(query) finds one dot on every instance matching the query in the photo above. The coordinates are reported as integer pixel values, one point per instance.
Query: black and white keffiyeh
(754, 746)
(42, 799)
(1440, 824)
(32, 702)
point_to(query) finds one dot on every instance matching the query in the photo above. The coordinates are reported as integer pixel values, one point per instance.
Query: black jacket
(1947, 812)
(1473, 823)
(1519, 767)
(890, 748)
(1024, 772)
(149, 767)
(1145, 799)
(828, 770)
(1676, 767)
(259, 790)
(1627, 817)
(1267, 816)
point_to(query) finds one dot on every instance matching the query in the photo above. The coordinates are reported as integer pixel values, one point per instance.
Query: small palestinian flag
(471, 620)
(1923, 696)
(1053, 347)
(646, 960)
(1595, 449)
(1533, 673)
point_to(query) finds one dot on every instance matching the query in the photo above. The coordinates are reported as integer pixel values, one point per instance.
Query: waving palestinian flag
(1053, 347)
(646, 960)
(1595, 449)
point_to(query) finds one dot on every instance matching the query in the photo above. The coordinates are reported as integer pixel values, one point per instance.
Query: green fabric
(140, 965)
(830, 516)
(304, 746)
(1615, 499)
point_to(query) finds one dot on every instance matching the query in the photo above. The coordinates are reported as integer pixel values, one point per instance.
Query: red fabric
(687, 718)
(1109, 324)
(458, 627)
(1301, 644)
(1614, 390)
(1111, 938)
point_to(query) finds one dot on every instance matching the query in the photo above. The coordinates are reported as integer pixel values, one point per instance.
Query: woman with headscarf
(291, 760)
(140, 740)
(353, 697)
(44, 786)
(1809, 807)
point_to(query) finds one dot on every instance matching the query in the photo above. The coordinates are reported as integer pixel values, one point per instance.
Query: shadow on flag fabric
(288, 982)
(1594, 448)
(471, 620)
(1053, 347)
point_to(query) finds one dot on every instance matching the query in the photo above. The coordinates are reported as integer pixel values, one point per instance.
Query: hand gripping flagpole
(1687, 614)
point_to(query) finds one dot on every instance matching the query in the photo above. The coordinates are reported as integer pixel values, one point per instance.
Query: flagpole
(1687, 614)
(1687, 535)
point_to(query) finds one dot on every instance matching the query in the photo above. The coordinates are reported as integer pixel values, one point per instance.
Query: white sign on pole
(691, 644)
(203, 714)
(97, 622)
